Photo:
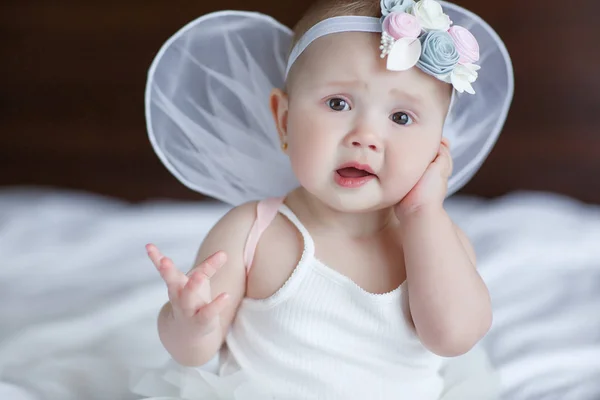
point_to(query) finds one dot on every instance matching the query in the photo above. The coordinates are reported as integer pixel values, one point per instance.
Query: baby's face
(346, 107)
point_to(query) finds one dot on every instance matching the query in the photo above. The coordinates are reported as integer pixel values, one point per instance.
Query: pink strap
(266, 210)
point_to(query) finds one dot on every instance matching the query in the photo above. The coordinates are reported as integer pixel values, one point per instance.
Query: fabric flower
(390, 6)
(465, 43)
(463, 75)
(404, 54)
(431, 16)
(438, 53)
(399, 25)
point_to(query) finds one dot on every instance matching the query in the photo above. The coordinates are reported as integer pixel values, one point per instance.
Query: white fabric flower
(431, 15)
(404, 54)
(463, 76)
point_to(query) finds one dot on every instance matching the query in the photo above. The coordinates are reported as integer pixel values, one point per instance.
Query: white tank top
(321, 336)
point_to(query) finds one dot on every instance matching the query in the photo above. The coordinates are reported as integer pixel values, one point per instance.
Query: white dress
(321, 336)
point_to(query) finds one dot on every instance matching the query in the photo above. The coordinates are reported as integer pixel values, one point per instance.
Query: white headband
(333, 25)
(413, 33)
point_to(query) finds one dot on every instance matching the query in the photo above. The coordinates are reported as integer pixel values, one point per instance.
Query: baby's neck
(320, 218)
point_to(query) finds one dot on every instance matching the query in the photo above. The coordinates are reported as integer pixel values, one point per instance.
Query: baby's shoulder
(270, 229)
(242, 216)
(230, 232)
(281, 236)
(277, 253)
(277, 245)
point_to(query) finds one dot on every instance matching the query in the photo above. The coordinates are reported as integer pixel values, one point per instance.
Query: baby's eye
(401, 118)
(338, 104)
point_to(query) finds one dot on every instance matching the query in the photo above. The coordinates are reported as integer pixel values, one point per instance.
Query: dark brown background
(73, 76)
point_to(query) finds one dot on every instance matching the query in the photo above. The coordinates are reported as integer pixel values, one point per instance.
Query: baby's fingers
(210, 266)
(444, 160)
(190, 299)
(450, 162)
(212, 310)
(154, 254)
(174, 278)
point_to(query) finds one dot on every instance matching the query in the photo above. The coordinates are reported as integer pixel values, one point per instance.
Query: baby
(357, 283)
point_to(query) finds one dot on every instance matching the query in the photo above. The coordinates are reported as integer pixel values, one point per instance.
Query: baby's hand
(431, 189)
(194, 310)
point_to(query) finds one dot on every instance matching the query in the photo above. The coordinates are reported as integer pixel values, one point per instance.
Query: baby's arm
(449, 302)
(194, 341)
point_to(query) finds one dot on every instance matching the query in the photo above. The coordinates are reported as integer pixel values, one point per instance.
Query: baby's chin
(358, 201)
(368, 198)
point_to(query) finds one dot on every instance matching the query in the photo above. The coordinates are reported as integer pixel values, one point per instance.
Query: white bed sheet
(78, 297)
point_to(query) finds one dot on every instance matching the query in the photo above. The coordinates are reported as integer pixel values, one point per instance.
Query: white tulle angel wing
(207, 106)
(476, 121)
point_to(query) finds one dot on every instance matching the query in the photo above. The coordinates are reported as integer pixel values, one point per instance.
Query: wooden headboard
(71, 98)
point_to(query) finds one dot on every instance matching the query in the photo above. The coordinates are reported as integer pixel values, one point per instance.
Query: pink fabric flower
(399, 25)
(465, 43)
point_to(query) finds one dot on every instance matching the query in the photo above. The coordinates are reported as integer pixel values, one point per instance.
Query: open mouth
(353, 175)
(353, 172)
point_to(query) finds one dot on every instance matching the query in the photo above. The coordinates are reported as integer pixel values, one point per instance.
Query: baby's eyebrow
(413, 98)
(352, 83)
(397, 93)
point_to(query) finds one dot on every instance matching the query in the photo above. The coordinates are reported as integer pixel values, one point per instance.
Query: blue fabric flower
(389, 6)
(439, 55)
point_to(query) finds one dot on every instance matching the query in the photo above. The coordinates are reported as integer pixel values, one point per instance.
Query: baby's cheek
(404, 173)
(305, 162)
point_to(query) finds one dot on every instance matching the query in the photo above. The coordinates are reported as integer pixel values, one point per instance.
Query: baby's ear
(279, 109)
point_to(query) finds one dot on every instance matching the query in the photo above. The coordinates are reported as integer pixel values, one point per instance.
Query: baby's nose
(364, 136)
(363, 143)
